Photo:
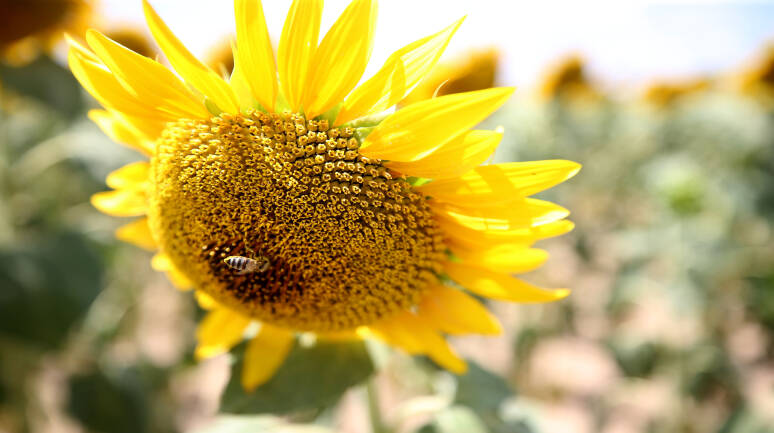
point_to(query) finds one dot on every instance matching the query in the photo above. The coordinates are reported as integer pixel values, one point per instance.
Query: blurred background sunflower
(670, 326)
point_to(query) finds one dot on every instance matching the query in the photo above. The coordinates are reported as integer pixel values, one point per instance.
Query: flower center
(346, 242)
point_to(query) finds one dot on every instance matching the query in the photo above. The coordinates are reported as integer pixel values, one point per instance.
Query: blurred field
(670, 327)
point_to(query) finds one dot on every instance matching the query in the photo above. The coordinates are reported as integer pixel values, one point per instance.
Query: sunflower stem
(374, 413)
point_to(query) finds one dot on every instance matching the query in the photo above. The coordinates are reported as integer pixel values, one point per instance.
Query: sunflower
(567, 79)
(220, 58)
(133, 38)
(474, 70)
(664, 94)
(371, 221)
(756, 78)
(28, 27)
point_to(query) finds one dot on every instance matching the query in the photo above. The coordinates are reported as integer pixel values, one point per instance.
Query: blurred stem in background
(374, 410)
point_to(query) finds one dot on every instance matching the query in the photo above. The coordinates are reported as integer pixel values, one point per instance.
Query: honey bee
(246, 265)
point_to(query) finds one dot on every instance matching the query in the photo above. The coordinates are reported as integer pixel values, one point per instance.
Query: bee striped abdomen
(238, 263)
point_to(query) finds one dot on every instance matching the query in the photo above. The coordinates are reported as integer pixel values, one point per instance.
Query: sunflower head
(300, 194)
(363, 218)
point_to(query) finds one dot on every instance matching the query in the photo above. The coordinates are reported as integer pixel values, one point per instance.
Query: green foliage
(760, 299)
(48, 82)
(47, 286)
(312, 378)
(108, 404)
(481, 390)
(637, 359)
(455, 420)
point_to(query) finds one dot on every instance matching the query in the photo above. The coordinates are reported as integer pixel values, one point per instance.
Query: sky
(627, 43)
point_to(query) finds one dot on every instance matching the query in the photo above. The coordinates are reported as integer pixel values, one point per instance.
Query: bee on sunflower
(367, 223)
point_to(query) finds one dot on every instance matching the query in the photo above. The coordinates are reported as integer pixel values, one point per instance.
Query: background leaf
(311, 378)
(46, 81)
(47, 287)
(109, 404)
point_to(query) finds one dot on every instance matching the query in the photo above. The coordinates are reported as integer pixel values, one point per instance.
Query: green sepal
(330, 115)
(211, 107)
(362, 133)
(368, 121)
(281, 104)
(417, 181)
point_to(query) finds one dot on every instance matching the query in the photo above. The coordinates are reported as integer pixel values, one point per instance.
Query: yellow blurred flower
(221, 58)
(291, 167)
(663, 94)
(475, 70)
(567, 79)
(757, 78)
(133, 38)
(28, 27)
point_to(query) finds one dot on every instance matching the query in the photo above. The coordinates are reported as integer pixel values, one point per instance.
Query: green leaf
(481, 389)
(48, 82)
(47, 287)
(311, 378)
(484, 393)
(109, 404)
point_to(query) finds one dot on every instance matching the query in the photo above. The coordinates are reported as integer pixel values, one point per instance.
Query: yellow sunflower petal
(297, 46)
(341, 58)
(220, 330)
(416, 131)
(106, 89)
(205, 301)
(506, 258)
(433, 345)
(132, 175)
(264, 355)
(189, 67)
(120, 131)
(392, 332)
(402, 71)
(162, 263)
(146, 79)
(255, 57)
(150, 127)
(500, 183)
(137, 233)
(455, 158)
(416, 335)
(495, 285)
(82, 50)
(122, 202)
(454, 312)
(460, 235)
(522, 213)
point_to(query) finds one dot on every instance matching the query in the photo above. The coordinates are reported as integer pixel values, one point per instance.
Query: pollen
(347, 241)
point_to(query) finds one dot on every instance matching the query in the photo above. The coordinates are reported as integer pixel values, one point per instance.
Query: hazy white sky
(628, 42)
